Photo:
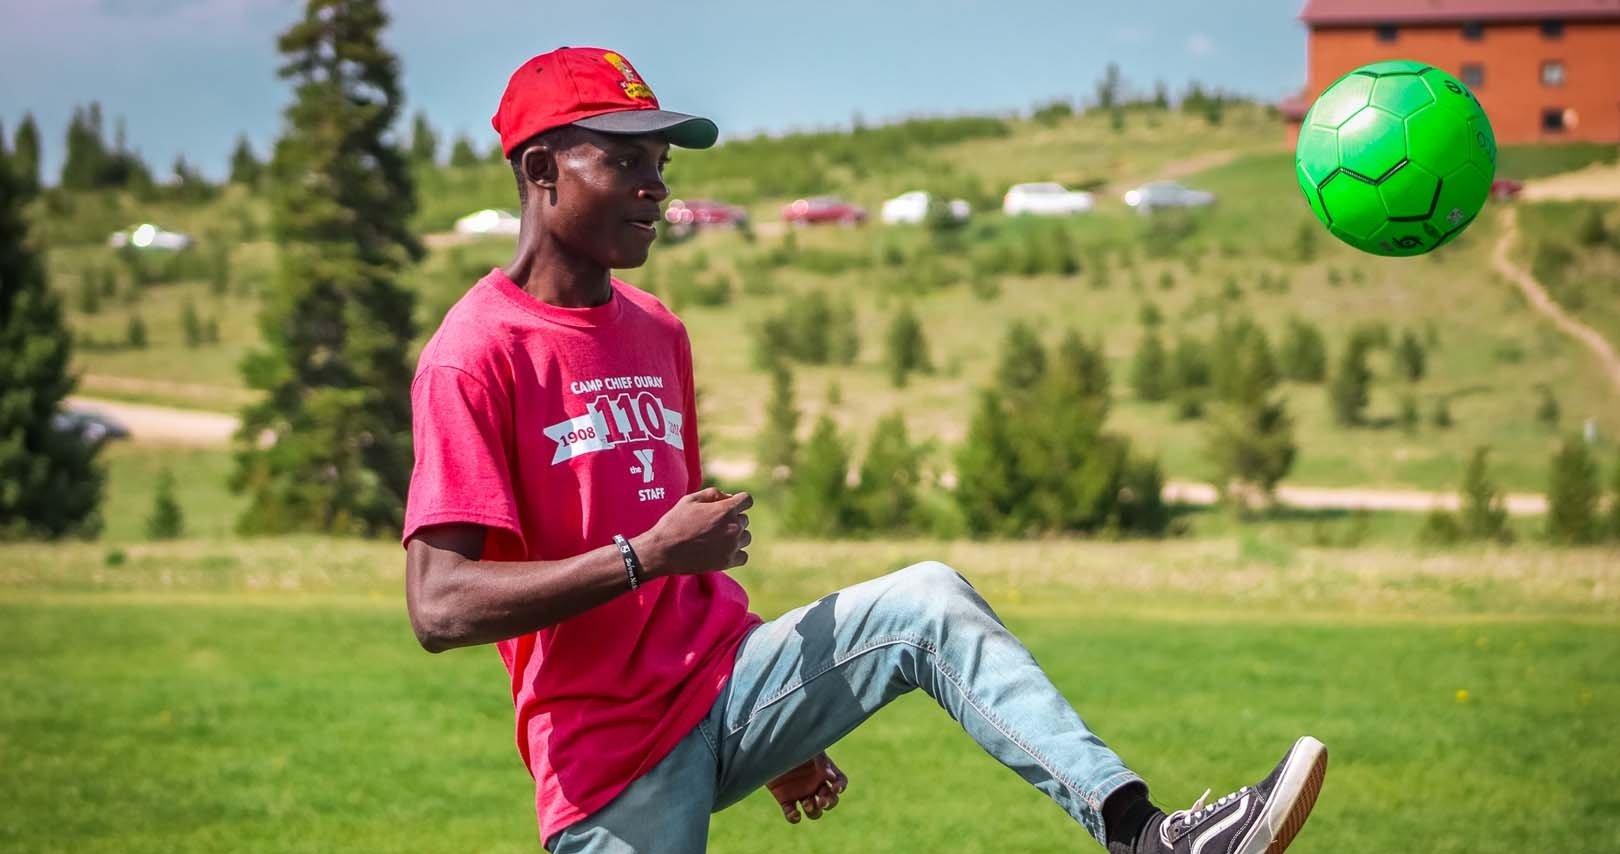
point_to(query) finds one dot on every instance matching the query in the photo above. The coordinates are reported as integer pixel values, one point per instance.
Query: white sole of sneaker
(1291, 801)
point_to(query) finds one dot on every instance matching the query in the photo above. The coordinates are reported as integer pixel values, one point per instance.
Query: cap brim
(679, 128)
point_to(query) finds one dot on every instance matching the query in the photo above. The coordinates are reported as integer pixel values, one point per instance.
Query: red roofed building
(1545, 70)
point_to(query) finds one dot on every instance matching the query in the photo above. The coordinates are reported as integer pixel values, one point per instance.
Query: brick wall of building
(1511, 56)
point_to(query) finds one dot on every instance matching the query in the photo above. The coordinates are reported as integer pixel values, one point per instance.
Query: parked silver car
(1167, 194)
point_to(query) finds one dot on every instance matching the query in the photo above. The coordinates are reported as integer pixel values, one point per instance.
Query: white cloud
(1200, 45)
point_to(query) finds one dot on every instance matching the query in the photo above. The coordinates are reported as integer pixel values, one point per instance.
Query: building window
(1473, 31)
(1387, 32)
(1552, 29)
(1473, 75)
(1552, 73)
(1552, 120)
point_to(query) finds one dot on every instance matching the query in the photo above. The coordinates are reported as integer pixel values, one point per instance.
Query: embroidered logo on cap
(632, 84)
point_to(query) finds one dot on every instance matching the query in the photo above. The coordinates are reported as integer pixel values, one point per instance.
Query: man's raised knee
(932, 576)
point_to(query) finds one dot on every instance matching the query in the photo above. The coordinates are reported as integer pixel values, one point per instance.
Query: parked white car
(1167, 194)
(489, 221)
(1045, 198)
(149, 236)
(912, 208)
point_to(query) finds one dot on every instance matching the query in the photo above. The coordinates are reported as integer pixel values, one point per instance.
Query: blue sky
(189, 75)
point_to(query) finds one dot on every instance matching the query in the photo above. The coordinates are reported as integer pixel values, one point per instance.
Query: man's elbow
(434, 621)
(432, 628)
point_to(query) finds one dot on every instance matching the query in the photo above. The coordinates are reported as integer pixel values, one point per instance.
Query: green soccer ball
(1396, 158)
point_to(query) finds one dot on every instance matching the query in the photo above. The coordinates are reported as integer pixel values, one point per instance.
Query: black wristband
(632, 564)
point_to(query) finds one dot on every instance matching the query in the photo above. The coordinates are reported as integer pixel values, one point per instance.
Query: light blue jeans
(809, 677)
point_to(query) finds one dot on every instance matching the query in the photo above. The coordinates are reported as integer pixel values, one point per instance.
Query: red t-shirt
(556, 428)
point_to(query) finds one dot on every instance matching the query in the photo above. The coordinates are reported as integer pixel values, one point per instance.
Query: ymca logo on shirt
(619, 410)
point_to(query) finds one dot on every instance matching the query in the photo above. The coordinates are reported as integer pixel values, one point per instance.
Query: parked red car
(1503, 189)
(823, 209)
(704, 213)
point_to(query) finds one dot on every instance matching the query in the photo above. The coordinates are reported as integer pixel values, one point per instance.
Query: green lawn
(267, 696)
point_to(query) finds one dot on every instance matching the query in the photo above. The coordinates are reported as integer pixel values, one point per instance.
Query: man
(556, 511)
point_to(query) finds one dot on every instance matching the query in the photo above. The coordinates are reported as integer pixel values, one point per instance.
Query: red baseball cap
(593, 88)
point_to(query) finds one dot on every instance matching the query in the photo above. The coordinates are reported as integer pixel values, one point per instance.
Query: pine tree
(89, 292)
(424, 141)
(1547, 409)
(905, 349)
(1141, 498)
(1347, 392)
(1256, 368)
(190, 324)
(1589, 229)
(219, 270)
(1441, 419)
(50, 484)
(25, 156)
(818, 501)
(86, 152)
(1084, 368)
(1409, 357)
(462, 153)
(778, 442)
(845, 343)
(338, 328)
(991, 488)
(1189, 366)
(1304, 357)
(189, 184)
(1572, 495)
(1252, 445)
(1483, 515)
(165, 521)
(886, 499)
(1023, 359)
(245, 165)
(1149, 369)
(1408, 416)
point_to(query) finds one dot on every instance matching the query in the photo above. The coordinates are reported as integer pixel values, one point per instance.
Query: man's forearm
(459, 601)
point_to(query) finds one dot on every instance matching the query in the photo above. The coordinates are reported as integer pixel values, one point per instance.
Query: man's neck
(550, 273)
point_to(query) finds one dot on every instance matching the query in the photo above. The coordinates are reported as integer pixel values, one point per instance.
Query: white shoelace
(1195, 813)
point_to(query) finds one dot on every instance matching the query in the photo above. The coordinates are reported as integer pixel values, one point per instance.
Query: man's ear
(540, 165)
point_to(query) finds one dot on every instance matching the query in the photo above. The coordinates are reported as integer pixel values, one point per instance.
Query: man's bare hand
(704, 532)
(813, 787)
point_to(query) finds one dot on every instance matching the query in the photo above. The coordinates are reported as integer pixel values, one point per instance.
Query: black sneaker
(1259, 819)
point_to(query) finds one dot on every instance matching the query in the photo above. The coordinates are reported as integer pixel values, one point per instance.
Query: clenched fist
(706, 531)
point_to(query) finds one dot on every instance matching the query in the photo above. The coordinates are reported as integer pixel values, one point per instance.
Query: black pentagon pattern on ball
(1439, 182)
(1377, 74)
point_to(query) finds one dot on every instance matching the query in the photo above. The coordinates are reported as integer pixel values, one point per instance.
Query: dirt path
(1542, 302)
(1599, 181)
(161, 425)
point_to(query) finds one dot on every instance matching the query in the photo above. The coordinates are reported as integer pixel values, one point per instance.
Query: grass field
(267, 696)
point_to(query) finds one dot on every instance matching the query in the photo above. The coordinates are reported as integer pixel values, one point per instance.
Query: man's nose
(656, 190)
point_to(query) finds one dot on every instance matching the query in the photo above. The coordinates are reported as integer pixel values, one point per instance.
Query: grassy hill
(1487, 357)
